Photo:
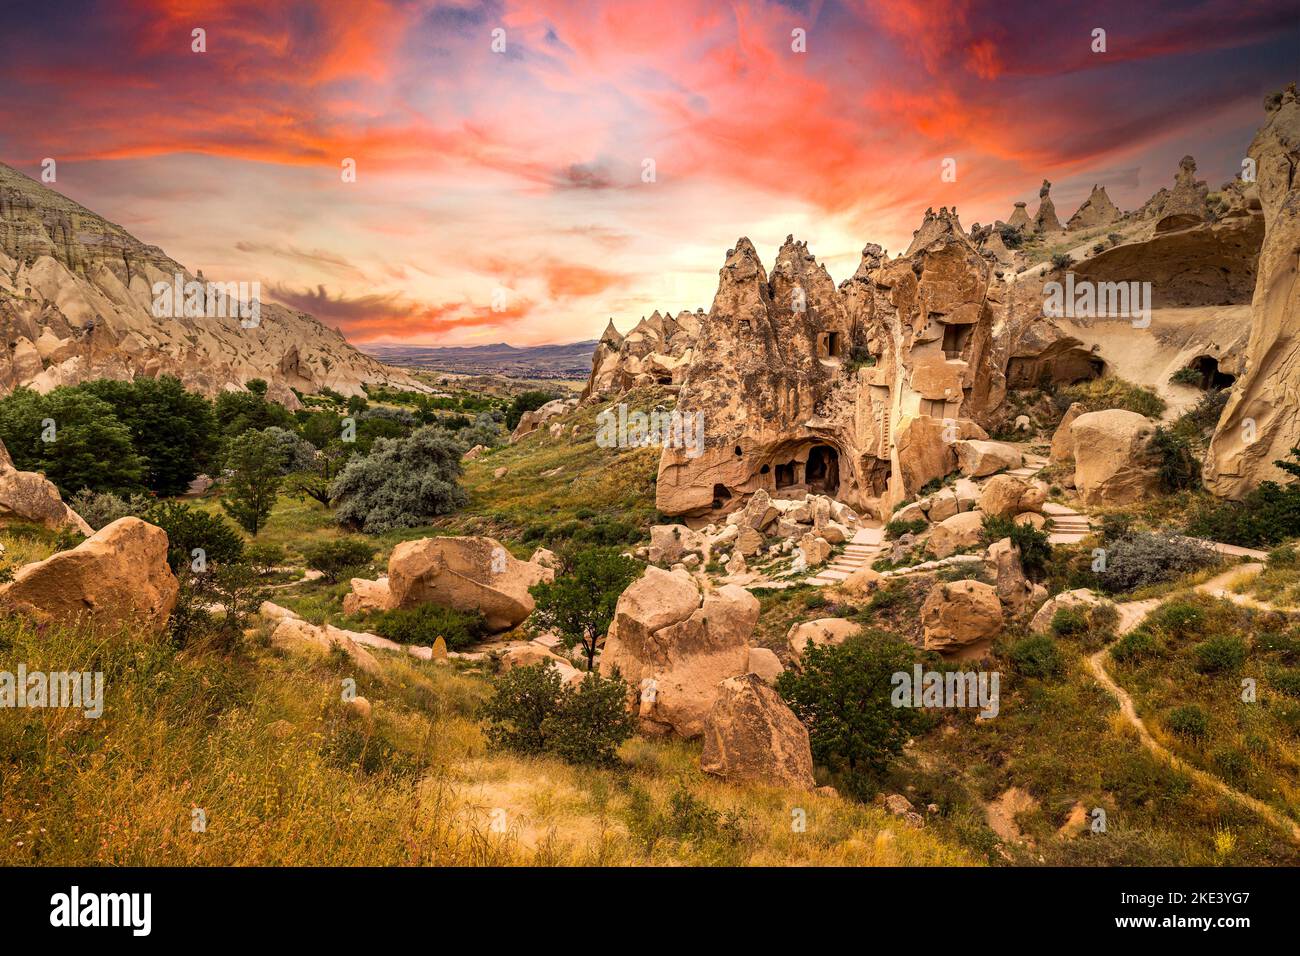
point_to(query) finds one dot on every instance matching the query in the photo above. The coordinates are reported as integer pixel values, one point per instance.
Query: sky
(526, 171)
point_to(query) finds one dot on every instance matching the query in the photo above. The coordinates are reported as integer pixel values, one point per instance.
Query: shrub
(1283, 556)
(425, 623)
(1069, 622)
(1061, 261)
(1268, 514)
(532, 712)
(264, 558)
(102, 508)
(843, 694)
(402, 483)
(1204, 415)
(1188, 721)
(1037, 656)
(334, 559)
(897, 528)
(1288, 682)
(1012, 237)
(1134, 646)
(1187, 376)
(189, 528)
(590, 723)
(1141, 558)
(1178, 467)
(1225, 652)
(1109, 391)
(1035, 549)
(1177, 618)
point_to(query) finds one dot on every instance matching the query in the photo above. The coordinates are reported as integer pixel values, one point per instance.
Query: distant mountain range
(572, 360)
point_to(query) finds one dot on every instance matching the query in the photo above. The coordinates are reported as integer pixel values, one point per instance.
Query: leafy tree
(532, 712)
(238, 412)
(1179, 467)
(402, 483)
(296, 453)
(74, 437)
(524, 698)
(526, 402)
(174, 431)
(190, 528)
(253, 464)
(579, 604)
(321, 428)
(843, 694)
(314, 481)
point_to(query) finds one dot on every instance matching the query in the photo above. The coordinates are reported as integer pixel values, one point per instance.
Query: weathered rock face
(471, 573)
(657, 351)
(751, 735)
(1261, 422)
(1080, 598)
(76, 299)
(977, 459)
(674, 648)
(117, 576)
(1186, 204)
(1096, 210)
(1045, 219)
(367, 595)
(535, 418)
(1006, 495)
(958, 533)
(1062, 440)
(1114, 462)
(32, 497)
(1020, 218)
(294, 634)
(960, 614)
(827, 630)
(1014, 590)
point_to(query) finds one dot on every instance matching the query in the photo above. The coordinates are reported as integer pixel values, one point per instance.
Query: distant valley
(572, 360)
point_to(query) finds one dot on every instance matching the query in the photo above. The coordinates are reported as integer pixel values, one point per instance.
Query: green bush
(1287, 681)
(843, 695)
(897, 528)
(1134, 646)
(402, 483)
(1225, 652)
(526, 402)
(189, 529)
(1142, 558)
(425, 623)
(1061, 260)
(334, 559)
(1037, 656)
(1187, 376)
(1188, 721)
(263, 558)
(1179, 619)
(1099, 394)
(1069, 622)
(99, 509)
(1267, 515)
(532, 712)
(1178, 466)
(1283, 556)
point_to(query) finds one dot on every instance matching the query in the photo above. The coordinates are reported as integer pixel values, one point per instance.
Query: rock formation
(1114, 462)
(32, 497)
(76, 303)
(674, 647)
(1184, 205)
(470, 573)
(751, 735)
(959, 614)
(656, 351)
(1261, 422)
(1020, 218)
(117, 577)
(1045, 219)
(1096, 210)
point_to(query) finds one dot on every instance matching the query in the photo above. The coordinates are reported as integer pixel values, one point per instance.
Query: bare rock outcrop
(1261, 422)
(465, 573)
(1096, 210)
(1185, 205)
(824, 631)
(1045, 219)
(31, 496)
(1114, 462)
(751, 735)
(675, 646)
(118, 576)
(959, 614)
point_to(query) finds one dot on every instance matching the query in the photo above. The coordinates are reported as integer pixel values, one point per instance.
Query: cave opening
(823, 469)
(955, 338)
(721, 496)
(1211, 378)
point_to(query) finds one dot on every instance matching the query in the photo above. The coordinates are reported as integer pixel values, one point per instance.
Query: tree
(843, 694)
(314, 482)
(238, 412)
(526, 402)
(533, 712)
(72, 436)
(173, 431)
(402, 483)
(579, 604)
(253, 462)
(190, 528)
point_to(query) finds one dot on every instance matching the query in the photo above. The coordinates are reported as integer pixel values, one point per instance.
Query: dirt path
(1131, 615)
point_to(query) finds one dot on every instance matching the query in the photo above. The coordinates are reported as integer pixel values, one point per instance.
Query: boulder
(958, 614)
(30, 496)
(942, 504)
(765, 664)
(545, 558)
(751, 735)
(669, 543)
(957, 533)
(1080, 598)
(674, 649)
(815, 549)
(117, 576)
(1014, 590)
(526, 655)
(1062, 443)
(979, 458)
(1031, 518)
(759, 511)
(737, 564)
(1114, 462)
(1006, 495)
(470, 573)
(748, 542)
(911, 512)
(861, 582)
(826, 630)
(296, 635)
(367, 595)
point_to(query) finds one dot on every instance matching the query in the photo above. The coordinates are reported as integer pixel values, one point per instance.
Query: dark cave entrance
(1211, 378)
(955, 338)
(720, 496)
(823, 469)
(785, 475)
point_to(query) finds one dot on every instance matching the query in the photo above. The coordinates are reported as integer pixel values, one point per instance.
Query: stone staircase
(1068, 525)
(1030, 468)
(864, 548)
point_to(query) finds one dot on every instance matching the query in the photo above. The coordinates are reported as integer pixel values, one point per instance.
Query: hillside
(77, 302)
(570, 361)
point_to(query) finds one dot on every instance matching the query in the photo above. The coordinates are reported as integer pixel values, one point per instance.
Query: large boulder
(959, 614)
(31, 496)
(958, 533)
(117, 576)
(1007, 495)
(1114, 462)
(670, 542)
(674, 648)
(1080, 598)
(826, 630)
(367, 595)
(751, 735)
(979, 458)
(471, 573)
(1014, 589)
(1062, 442)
